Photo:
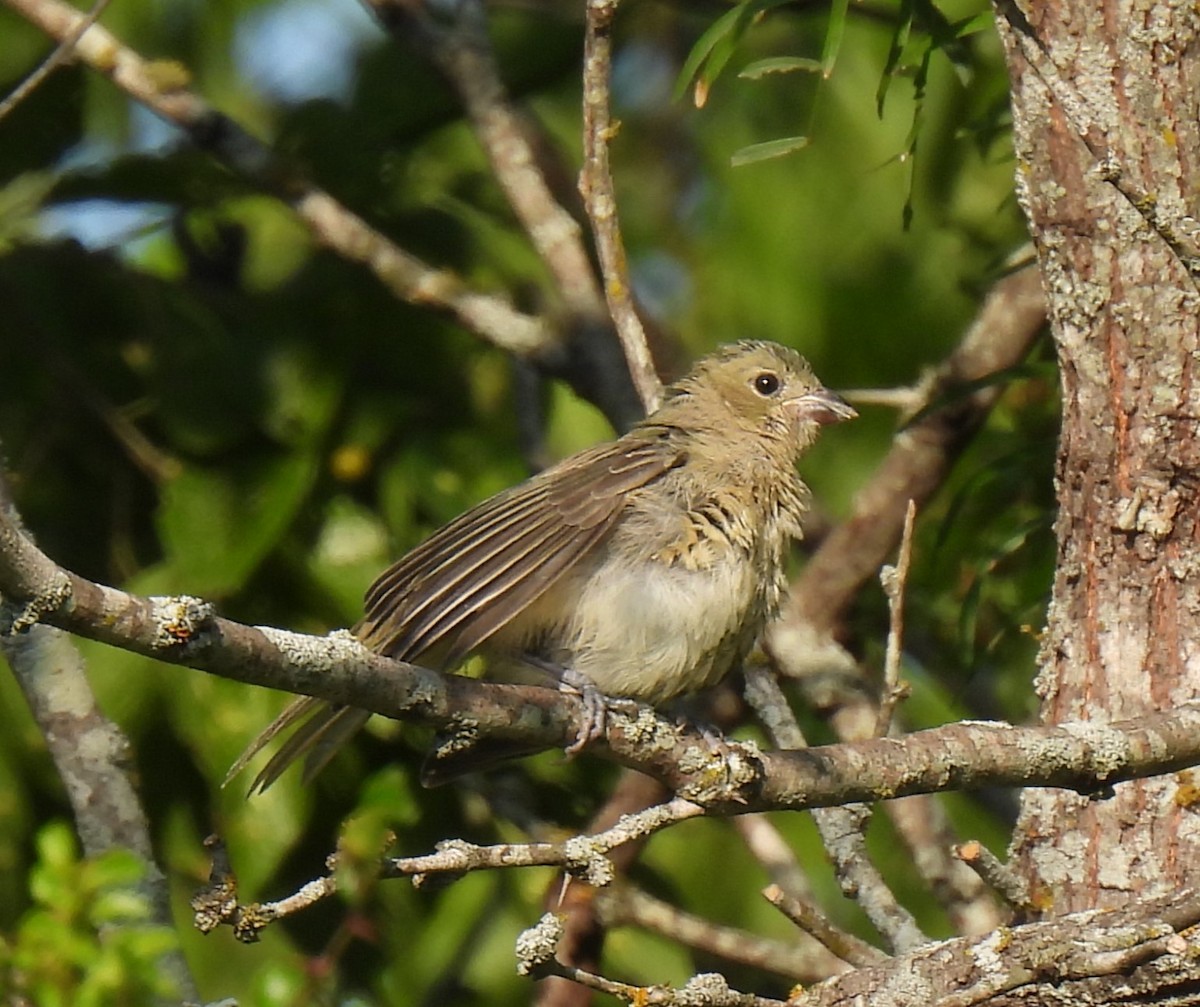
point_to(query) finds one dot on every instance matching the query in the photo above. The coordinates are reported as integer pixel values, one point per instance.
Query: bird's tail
(324, 728)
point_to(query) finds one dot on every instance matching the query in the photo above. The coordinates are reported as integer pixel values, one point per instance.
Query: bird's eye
(766, 383)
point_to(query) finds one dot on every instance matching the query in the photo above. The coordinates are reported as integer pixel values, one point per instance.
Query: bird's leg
(595, 703)
(595, 708)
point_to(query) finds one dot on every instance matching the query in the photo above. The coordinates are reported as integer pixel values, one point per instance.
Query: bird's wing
(483, 569)
(474, 575)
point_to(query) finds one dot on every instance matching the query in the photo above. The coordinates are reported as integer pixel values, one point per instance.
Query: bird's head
(759, 385)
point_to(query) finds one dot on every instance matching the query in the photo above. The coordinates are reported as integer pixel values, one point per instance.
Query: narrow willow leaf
(945, 36)
(714, 48)
(968, 619)
(765, 151)
(721, 27)
(833, 36)
(891, 65)
(720, 56)
(974, 25)
(780, 64)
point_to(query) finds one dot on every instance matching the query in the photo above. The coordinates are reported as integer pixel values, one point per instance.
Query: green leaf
(218, 525)
(895, 50)
(968, 619)
(833, 36)
(715, 47)
(946, 37)
(769, 149)
(704, 46)
(780, 64)
(974, 25)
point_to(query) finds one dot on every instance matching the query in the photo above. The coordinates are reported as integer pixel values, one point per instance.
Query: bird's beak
(823, 406)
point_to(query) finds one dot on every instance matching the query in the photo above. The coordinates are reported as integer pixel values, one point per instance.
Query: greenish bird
(643, 568)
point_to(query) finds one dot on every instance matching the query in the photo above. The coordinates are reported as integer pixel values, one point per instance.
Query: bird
(640, 569)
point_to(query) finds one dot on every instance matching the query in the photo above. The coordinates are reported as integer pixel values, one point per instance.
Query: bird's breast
(674, 597)
(649, 630)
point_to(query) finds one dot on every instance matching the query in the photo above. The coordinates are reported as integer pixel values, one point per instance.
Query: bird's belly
(651, 631)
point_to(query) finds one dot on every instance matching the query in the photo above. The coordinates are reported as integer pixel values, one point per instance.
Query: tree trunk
(1107, 134)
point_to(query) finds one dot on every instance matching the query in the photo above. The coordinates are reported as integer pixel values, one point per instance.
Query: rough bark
(1106, 109)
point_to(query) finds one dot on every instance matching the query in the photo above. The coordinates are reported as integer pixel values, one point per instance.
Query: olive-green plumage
(648, 564)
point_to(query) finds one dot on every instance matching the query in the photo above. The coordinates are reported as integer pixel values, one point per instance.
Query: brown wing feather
(317, 739)
(482, 524)
(501, 602)
(476, 574)
(408, 615)
(485, 580)
(296, 710)
(506, 552)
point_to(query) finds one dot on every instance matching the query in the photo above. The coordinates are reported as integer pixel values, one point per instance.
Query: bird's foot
(596, 706)
(715, 738)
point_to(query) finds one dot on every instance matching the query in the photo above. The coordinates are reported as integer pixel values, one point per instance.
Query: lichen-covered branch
(90, 754)
(1086, 757)
(1053, 961)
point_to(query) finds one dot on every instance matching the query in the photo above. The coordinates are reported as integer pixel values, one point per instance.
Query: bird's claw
(596, 706)
(717, 743)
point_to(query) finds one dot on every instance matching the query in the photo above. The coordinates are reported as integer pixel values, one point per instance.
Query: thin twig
(708, 988)
(582, 856)
(599, 197)
(925, 829)
(842, 829)
(774, 853)
(905, 400)
(583, 930)
(894, 580)
(815, 923)
(490, 316)
(60, 54)
(1009, 885)
(627, 905)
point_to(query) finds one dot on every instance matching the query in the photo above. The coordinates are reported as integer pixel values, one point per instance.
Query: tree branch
(1086, 757)
(599, 196)
(922, 453)
(60, 55)
(842, 829)
(490, 316)
(585, 857)
(1045, 956)
(464, 54)
(91, 756)
(808, 962)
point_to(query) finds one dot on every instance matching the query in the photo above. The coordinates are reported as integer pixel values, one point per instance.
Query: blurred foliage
(198, 399)
(87, 939)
